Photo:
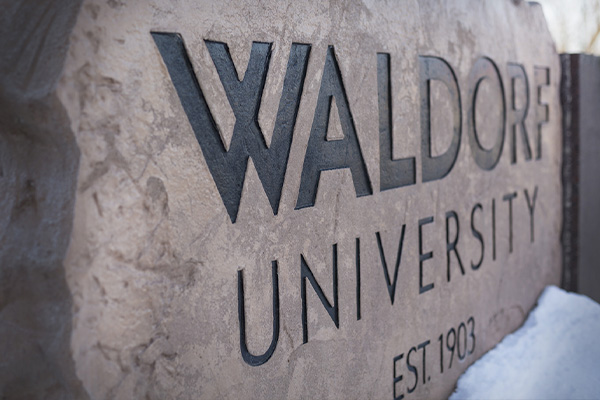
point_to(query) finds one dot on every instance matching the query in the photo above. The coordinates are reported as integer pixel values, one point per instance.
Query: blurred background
(574, 24)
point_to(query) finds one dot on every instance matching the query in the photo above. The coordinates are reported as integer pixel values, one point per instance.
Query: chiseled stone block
(274, 200)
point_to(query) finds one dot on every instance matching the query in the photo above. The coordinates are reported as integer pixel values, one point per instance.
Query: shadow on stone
(39, 160)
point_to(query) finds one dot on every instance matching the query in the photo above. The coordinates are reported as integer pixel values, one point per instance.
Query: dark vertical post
(569, 98)
(580, 98)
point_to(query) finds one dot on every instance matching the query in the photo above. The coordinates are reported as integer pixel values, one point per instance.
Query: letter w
(228, 168)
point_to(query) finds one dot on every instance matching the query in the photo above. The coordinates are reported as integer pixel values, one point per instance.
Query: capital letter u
(249, 358)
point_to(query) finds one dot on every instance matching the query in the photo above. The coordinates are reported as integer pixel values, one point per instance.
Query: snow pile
(554, 355)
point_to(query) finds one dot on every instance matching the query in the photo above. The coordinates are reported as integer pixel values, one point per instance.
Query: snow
(554, 355)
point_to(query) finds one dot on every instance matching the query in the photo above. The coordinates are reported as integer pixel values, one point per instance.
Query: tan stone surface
(153, 258)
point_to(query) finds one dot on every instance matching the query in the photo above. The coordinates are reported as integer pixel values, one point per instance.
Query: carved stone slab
(306, 200)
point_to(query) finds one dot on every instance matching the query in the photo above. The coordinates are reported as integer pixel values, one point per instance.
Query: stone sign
(324, 200)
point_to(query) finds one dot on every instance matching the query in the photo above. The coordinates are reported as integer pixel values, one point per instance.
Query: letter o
(484, 68)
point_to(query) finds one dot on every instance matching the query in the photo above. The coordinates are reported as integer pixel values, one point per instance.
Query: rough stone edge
(40, 160)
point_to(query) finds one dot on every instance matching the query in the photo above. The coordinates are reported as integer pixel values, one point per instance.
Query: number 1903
(459, 341)
(412, 365)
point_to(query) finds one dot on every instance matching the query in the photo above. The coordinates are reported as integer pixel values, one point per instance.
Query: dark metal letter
(423, 256)
(484, 68)
(517, 116)
(391, 285)
(542, 110)
(228, 168)
(249, 358)
(451, 246)
(392, 173)
(477, 235)
(322, 154)
(509, 197)
(333, 311)
(531, 207)
(433, 68)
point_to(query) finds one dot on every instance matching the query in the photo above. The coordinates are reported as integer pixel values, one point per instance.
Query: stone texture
(147, 293)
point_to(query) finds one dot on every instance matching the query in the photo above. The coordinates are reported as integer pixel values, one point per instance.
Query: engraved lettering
(393, 173)
(323, 154)
(391, 285)
(516, 72)
(228, 168)
(433, 68)
(333, 311)
(485, 69)
(542, 110)
(249, 358)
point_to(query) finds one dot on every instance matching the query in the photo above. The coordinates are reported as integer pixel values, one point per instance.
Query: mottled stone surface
(150, 302)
